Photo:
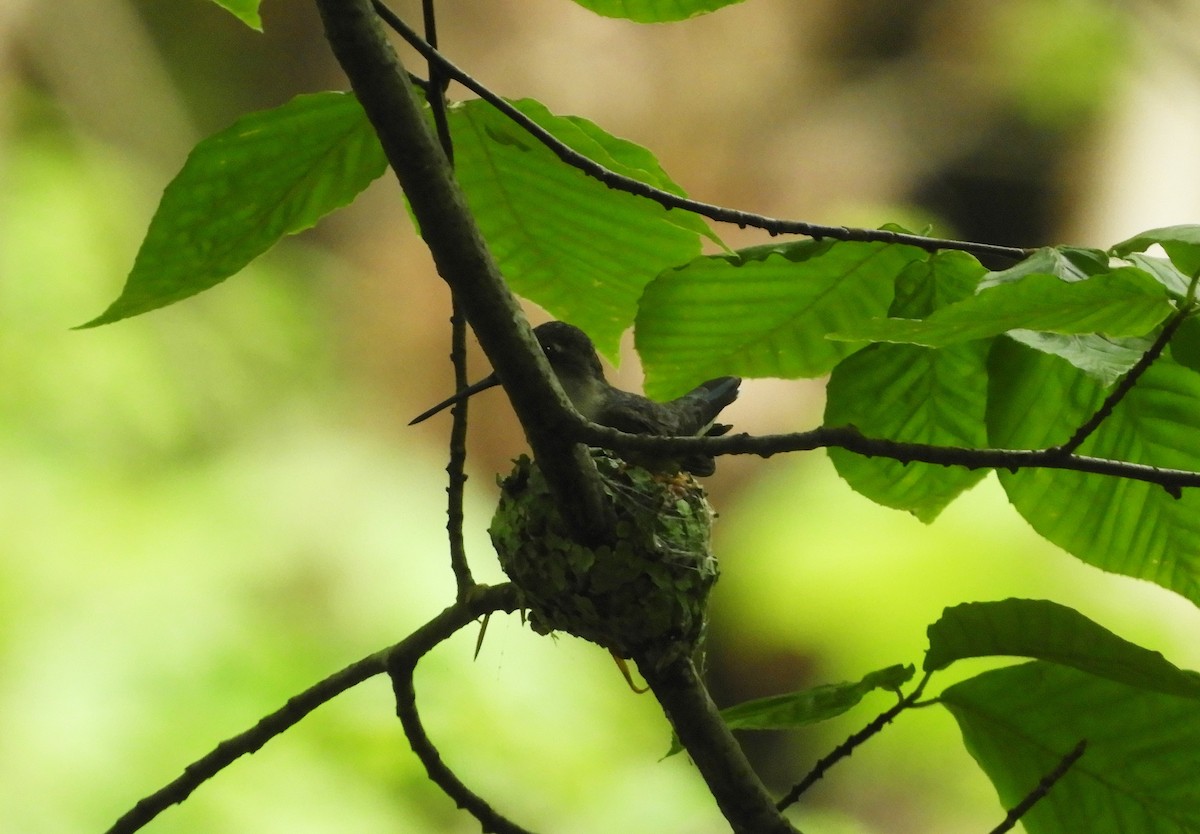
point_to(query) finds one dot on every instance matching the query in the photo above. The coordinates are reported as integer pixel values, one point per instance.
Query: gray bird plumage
(573, 358)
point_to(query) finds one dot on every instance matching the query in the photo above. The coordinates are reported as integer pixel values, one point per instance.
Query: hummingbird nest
(647, 591)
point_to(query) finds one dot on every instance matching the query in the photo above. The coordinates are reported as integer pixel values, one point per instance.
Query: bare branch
(456, 469)
(851, 439)
(847, 747)
(1127, 382)
(620, 182)
(439, 773)
(462, 259)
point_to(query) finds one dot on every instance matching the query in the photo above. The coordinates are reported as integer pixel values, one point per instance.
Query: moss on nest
(648, 590)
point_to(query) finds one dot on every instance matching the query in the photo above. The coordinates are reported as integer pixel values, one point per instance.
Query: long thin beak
(489, 381)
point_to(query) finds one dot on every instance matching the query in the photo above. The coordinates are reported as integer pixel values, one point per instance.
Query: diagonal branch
(620, 182)
(1127, 382)
(462, 258)
(847, 747)
(740, 795)
(1041, 789)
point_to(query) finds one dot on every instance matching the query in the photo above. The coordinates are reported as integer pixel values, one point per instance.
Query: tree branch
(719, 758)
(462, 259)
(401, 671)
(851, 439)
(620, 182)
(1127, 382)
(1043, 787)
(848, 746)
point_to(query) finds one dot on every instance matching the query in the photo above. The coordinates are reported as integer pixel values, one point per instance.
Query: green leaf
(798, 709)
(654, 11)
(1048, 631)
(1137, 774)
(1122, 303)
(271, 174)
(763, 312)
(916, 395)
(1128, 527)
(1067, 262)
(1163, 271)
(1181, 243)
(1185, 344)
(579, 249)
(1105, 360)
(244, 10)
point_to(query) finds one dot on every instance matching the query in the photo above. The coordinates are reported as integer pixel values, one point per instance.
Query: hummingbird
(573, 358)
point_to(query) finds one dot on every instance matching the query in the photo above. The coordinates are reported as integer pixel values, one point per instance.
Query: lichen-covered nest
(649, 590)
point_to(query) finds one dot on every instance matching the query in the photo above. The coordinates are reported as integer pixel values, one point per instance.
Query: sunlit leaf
(764, 312)
(654, 11)
(914, 394)
(1137, 773)
(1122, 303)
(574, 246)
(1181, 243)
(1163, 271)
(1129, 527)
(244, 10)
(1105, 360)
(273, 173)
(1045, 630)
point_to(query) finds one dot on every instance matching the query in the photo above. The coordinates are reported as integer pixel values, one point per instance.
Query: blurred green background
(208, 508)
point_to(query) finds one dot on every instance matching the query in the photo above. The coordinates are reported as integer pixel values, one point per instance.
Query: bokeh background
(208, 508)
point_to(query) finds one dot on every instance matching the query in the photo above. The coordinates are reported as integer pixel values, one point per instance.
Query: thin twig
(1043, 787)
(1127, 382)
(742, 219)
(439, 773)
(456, 466)
(848, 746)
(435, 94)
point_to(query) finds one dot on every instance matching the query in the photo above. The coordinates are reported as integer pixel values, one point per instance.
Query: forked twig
(482, 600)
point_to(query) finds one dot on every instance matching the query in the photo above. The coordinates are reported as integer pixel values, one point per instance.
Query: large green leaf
(654, 11)
(1037, 401)
(914, 394)
(1122, 303)
(271, 174)
(1137, 774)
(1181, 243)
(1045, 630)
(764, 312)
(579, 249)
